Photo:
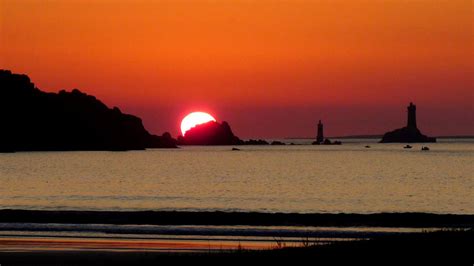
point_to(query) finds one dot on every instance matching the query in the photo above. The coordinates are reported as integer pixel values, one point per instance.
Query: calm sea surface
(298, 178)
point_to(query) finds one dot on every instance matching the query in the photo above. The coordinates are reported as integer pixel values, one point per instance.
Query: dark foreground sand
(445, 246)
(454, 243)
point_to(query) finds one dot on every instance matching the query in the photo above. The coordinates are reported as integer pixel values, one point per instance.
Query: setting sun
(193, 119)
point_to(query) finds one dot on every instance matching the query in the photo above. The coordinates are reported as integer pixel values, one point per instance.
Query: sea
(360, 176)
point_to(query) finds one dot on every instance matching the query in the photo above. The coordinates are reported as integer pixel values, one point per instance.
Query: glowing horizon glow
(193, 119)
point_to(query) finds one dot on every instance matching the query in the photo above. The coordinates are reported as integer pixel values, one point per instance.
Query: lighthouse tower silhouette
(411, 121)
(320, 136)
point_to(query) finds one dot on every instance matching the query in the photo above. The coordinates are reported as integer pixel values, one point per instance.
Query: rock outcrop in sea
(215, 133)
(256, 142)
(33, 120)
(276, 142)
(210, 133)
(408, 134)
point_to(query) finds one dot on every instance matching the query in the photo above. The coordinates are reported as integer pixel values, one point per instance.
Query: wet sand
(32, 244)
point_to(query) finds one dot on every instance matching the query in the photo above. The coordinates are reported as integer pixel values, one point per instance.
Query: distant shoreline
(415, 220)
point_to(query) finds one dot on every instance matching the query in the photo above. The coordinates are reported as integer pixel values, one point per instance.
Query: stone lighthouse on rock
(320, 140)
(408, 134)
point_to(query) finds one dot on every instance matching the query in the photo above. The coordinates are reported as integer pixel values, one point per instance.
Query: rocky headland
(33, 120)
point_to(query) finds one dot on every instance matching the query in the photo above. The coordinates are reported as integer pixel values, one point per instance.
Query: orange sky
(271, 68)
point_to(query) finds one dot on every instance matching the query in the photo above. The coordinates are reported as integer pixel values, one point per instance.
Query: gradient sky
(270, 68)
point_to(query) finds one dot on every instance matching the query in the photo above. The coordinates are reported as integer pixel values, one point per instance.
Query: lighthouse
(320, 136)
(411, 120)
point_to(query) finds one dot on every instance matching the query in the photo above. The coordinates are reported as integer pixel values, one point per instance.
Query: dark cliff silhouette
(210, 133)
(33, 120)
(408, 134)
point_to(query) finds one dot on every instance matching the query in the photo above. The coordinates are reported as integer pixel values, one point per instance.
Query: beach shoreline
(416, 220)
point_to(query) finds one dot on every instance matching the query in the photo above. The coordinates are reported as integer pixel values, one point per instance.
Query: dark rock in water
(367, 146)
(235, 149)
(408, 134)
(33, 120)
(163, 141)
(407, 147)
(425, 148)
(276, 142)
(326, 142)
(210, 133)
(215, 133)
(256, 142)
